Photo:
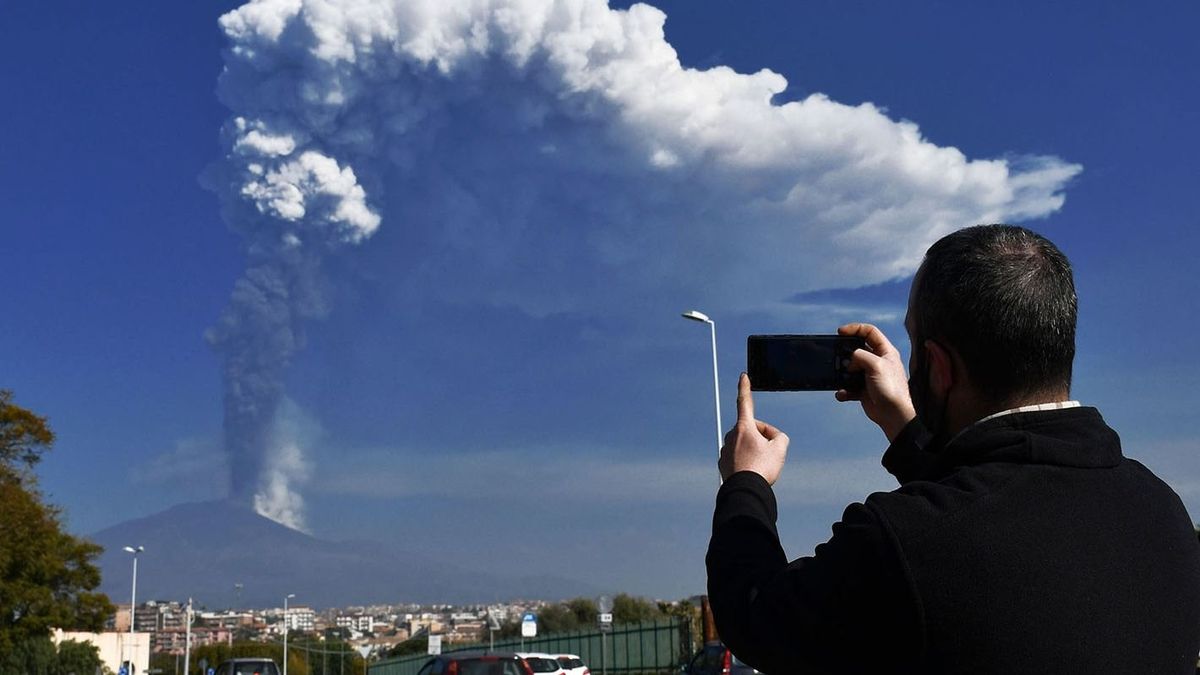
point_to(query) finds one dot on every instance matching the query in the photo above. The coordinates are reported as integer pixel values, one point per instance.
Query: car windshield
(540, 665)
(568, 662)
(255, 669)
(488, 667)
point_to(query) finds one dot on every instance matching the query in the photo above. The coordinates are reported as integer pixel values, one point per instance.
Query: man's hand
(885, 398)
(752, 445)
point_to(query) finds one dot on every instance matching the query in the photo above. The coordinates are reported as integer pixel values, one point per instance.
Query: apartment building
(362, 623)
(301, 618)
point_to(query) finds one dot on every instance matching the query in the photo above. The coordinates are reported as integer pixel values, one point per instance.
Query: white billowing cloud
(506, 129)
(254, 140)
(278, 497)
(288, 190)
(552, 156)
(285, 469)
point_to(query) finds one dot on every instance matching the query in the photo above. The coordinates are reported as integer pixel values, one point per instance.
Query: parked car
(542, 663)
(716, 659)
(476, 663)
(573, 664)
(248, 667)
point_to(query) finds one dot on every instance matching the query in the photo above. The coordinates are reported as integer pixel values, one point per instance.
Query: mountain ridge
(202, 549)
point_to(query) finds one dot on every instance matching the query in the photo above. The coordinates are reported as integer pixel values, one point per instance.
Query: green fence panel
(636, 648)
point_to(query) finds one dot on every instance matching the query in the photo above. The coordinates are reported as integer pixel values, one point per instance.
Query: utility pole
(285, 630)
(187, 643)
(132, 608)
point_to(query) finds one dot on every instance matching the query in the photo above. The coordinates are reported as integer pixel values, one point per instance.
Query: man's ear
(941, 368)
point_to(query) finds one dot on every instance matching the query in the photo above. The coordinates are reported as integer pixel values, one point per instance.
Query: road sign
(363, 651)
(604, 604)
(435, 644)
(529, 625)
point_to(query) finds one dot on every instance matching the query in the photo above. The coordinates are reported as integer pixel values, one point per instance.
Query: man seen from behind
(1020, 539)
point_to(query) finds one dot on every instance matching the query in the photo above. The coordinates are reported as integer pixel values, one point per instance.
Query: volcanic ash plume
(545, 156)
(292, 214)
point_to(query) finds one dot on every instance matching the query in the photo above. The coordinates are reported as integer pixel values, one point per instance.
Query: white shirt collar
(1056, 405)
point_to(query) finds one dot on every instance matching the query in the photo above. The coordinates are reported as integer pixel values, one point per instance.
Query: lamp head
(135, 551)
(696, 316)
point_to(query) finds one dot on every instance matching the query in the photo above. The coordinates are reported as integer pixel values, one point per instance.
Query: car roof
(478, 654)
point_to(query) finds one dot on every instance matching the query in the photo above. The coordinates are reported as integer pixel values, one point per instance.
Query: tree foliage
(582, 614)
(632, 609)
(38, 656)
(46, 575)
(24, 436)
(306, 656)
(81, 658)
(418, 644)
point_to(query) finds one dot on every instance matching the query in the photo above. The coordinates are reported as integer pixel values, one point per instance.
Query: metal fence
(633, 648)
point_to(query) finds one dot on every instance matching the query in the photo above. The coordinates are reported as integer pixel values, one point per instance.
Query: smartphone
(802, 362)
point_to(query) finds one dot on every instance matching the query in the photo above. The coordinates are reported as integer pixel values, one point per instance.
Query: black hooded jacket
(1029, 544)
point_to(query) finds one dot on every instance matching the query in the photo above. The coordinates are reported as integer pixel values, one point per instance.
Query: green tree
(584, 609)
(46, 575)
(556, 619)
(35, 656)
(24, 436)
(78, 658)
(582, 613)
(38, 656)
(631, 609)
(418, 644)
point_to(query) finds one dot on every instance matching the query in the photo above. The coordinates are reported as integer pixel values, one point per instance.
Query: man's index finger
(745, 400)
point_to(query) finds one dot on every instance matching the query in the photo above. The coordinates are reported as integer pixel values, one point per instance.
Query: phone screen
(801, 362)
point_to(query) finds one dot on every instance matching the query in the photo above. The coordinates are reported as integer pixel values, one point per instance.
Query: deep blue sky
(117, 261)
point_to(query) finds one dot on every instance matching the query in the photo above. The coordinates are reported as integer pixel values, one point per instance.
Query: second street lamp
(133, 601)
(703, 318)
(286, 623)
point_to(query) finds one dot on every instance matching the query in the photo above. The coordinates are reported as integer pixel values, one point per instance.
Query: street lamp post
(135, 550)
(703, 318)
(187, 648)
(237, 604)
(285, 629)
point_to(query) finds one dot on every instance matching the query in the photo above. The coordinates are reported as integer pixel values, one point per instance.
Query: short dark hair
(1004, 298)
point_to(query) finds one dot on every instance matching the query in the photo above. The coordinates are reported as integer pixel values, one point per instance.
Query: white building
(361, 623)
(115, 647)
(301, 618)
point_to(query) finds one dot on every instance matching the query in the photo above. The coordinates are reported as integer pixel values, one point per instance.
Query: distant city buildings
(377, 627)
